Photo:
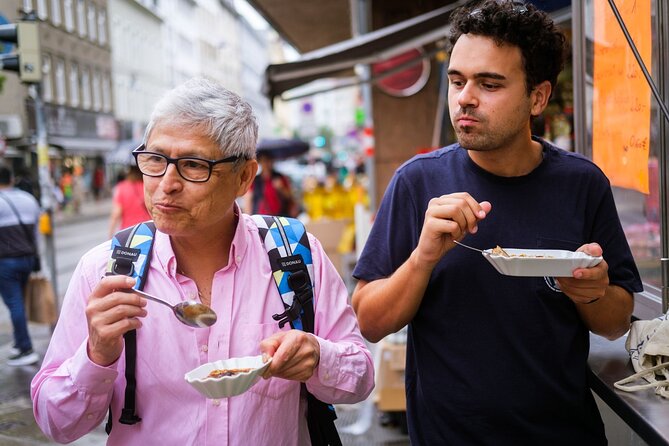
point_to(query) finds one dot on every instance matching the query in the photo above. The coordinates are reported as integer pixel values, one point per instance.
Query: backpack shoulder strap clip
(299, 282)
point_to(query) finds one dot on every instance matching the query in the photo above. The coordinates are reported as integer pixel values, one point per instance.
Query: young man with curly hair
(495, 359)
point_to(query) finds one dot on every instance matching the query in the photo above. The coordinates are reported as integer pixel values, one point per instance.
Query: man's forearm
(384, 306)
(609, 316)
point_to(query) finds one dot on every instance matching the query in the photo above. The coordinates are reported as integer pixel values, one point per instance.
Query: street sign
(403, 75)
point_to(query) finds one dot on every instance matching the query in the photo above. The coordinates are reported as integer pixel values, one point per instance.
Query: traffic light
(27, 59)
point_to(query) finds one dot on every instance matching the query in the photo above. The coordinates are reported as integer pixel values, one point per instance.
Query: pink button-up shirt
(71, 394)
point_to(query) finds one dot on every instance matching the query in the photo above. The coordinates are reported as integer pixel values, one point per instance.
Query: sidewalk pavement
(90, 209)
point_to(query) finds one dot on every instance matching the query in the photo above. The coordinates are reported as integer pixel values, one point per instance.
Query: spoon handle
(150, 297)
(468, 247)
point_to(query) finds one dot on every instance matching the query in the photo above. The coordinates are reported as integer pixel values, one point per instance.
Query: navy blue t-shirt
(495, 359)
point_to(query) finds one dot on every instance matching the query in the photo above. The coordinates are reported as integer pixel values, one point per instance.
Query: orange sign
(621, 96)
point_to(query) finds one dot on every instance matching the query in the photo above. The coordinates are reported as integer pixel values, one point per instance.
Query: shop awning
(337, 59)
(122, 154)
(83, 146)
(307, 25)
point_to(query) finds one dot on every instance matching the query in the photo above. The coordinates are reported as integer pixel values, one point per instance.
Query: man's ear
(246, 176)
(539, 97)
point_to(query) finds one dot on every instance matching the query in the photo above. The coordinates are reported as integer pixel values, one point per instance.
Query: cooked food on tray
(498, 251)
(226, 372)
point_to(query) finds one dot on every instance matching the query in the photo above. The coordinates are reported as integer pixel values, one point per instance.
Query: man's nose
(467, 96)
(171, 179)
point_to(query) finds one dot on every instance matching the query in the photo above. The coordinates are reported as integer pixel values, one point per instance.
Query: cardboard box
(395, 355)
(329, 232)
(391, 396)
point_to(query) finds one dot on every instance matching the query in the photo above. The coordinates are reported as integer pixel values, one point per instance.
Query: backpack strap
(287, 245)
(289, 252)
(131, 254)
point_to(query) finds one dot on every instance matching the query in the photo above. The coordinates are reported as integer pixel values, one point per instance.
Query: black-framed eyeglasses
(191, 168)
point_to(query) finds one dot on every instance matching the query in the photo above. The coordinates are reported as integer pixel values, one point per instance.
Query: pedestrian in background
(271, 192)
(128, 206)
(493, 359)
(19, 214)
(78, 189)
(98, 180)
(66, 186)
(198, 157)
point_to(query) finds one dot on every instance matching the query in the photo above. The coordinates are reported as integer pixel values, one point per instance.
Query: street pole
(360, 18)
(46, 185)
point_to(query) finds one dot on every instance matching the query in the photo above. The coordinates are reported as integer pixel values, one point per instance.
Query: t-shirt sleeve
(394, 233)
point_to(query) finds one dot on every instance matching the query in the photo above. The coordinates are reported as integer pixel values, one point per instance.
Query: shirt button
(216, 402)
(205, 348)
(107, 381)
(89, 416)
(238, 259)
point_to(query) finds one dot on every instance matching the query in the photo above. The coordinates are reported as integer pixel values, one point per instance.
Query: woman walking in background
(128, 202)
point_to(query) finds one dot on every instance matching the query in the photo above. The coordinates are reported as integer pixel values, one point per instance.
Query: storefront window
(623, 122)
(556, 123)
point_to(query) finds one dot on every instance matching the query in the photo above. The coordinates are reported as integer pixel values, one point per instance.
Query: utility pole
(45, 183)
(360, 19)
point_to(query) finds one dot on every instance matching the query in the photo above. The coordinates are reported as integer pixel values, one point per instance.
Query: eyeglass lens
(192, 169)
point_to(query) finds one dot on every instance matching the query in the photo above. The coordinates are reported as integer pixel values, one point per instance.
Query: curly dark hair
(543, 46)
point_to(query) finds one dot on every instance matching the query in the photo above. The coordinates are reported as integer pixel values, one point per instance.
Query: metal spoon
(470, 247)
(484, 251)
(191, 313)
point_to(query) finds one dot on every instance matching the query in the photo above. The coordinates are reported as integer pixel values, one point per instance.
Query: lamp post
(45, 183)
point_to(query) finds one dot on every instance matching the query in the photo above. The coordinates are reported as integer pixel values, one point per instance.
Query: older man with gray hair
(198, 157)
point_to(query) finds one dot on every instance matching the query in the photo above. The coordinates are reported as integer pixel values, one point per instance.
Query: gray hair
(223, 116)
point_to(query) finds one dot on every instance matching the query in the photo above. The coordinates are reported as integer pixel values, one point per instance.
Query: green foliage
(2, 82)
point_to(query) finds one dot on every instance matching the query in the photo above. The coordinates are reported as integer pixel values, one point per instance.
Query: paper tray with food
(538, 262)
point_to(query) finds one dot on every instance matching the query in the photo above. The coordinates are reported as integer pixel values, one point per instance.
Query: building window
(81, 18)
(55, 12)
(92, 22)
(106, 93)
(102, 27)
(42, 11)
(47, 83)
(61, 94)
(74, 85)
(86, 88)
(68, 8)
(97, 91)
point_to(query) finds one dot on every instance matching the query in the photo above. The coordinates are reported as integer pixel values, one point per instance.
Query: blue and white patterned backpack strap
(131, 251)
(287, 245)
(131, 254)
